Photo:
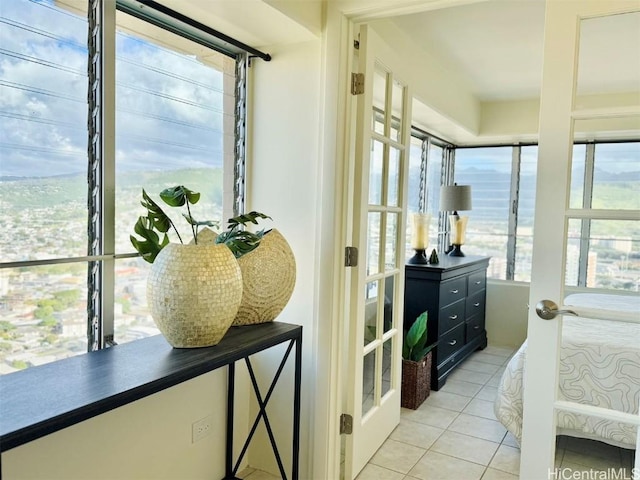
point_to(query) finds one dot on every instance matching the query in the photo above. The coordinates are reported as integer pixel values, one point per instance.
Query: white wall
(283, 181)
(146, 439)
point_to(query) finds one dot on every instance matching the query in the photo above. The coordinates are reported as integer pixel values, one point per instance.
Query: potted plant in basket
(416, 364)
(194, 290)
(197, 291)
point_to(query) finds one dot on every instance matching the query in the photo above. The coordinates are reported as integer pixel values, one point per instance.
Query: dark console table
(453, 291)
(42, 400)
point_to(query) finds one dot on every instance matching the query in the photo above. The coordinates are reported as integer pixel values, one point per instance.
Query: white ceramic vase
(268, 278)
(194, 292)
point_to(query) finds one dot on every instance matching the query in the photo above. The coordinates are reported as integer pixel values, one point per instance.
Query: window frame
(101, 256)
(102, 29)
(586, 214)
(427, 140)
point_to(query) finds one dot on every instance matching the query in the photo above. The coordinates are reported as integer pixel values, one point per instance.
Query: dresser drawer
(475, 304)
(452, 291)
(451, 316)
(450, 343)
(474, 327)
(476, 281)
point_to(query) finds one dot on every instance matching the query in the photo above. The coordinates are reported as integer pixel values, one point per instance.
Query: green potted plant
(176, 290)
(194, 290)
(416, 364)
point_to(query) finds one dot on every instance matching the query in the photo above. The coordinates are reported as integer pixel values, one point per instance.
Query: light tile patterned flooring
(454, 435)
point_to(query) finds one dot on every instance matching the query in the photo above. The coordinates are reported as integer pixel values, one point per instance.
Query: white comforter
(600, 365)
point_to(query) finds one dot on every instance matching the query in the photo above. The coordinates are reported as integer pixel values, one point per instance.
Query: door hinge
(357, 83)
(346, 424)
(350, 256)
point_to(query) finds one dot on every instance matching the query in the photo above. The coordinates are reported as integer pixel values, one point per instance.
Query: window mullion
(513, 212)
(424, 168)
(240, 136)
(447, 175)
(108, 170)
(585, 227)
(94, 153)
(101, 178)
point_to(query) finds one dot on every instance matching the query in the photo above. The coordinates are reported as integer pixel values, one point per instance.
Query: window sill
(42, 400)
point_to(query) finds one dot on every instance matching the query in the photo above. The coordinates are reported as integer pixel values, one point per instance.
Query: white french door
(560, 113)
(376, 288)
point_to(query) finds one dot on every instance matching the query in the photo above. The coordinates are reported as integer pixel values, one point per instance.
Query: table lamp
(419, 238)
(454, 198)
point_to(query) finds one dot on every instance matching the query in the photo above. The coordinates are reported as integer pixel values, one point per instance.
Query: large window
(503, 181)
(173, 105)
(604, 244)
(489, 172)
(603, 248)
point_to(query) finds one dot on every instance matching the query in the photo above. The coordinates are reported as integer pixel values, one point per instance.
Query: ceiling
(488, 43)
(498, 46)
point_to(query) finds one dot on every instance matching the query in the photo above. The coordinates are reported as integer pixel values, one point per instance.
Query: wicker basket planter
(194, 292)
(268, 278)
(416, 382)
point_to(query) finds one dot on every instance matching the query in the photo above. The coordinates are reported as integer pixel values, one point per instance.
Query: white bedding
(600, 365)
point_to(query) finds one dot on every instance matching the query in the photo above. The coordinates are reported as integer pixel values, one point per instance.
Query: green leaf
(192, 197)
(415, 339)
(406, 354)
(150, 245)
(422, 341)
(240, 242)
(156, 215)
(251, 217)
(144, 228)
(205, 223)
(179, 196)
(149, 249)
(417, 330)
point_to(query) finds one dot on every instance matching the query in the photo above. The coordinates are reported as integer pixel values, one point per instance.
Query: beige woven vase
(194, 292)
(268, 278)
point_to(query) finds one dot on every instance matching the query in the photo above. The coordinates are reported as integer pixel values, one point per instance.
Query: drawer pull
(478, 282)
(455, 291)
(452, 342)
(453, 317)
(476, 327)
(477, 304)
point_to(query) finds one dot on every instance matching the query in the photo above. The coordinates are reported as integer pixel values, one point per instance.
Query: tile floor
(454, 435)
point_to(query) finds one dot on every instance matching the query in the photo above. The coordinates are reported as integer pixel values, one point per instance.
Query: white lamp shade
(455, 197)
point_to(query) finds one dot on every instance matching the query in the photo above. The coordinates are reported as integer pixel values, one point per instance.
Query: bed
(600, 365)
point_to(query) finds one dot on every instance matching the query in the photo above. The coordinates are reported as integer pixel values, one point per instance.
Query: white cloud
(168, 106)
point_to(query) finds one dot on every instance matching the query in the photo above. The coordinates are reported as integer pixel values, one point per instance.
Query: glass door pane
(386, 163)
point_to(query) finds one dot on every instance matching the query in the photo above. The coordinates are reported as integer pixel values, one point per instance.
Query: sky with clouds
(168, 105)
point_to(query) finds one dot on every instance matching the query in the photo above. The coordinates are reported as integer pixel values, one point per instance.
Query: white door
(559, 112)
(377, 282)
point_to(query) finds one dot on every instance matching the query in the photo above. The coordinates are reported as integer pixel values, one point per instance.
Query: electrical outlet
(202, 428)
